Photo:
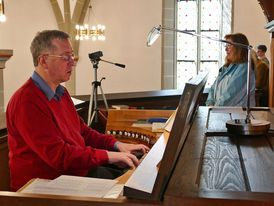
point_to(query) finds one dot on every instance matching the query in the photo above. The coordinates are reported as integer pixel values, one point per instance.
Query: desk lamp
(245, 126)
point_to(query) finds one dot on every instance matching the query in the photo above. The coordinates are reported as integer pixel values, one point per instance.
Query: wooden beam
(67, 24)
(271, 74)
(267, 7)
(58, 14)
(78, 17)
(67, 16)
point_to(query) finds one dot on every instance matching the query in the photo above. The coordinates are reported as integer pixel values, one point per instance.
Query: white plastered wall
(127, 24)
(250, 20)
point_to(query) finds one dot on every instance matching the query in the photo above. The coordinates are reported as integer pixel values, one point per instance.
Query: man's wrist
(115, 146)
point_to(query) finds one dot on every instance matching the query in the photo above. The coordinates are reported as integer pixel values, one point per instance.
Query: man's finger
(134, 159)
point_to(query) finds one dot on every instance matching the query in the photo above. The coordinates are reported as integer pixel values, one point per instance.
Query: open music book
(75, 186)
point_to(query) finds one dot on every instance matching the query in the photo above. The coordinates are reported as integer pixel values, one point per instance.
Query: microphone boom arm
(160, 28)
(116, 64)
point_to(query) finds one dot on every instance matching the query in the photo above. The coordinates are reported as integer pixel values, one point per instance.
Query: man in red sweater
(46, 137)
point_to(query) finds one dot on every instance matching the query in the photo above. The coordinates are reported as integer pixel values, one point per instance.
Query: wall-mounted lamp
(270, 26)
(2, 13)
(96, 32)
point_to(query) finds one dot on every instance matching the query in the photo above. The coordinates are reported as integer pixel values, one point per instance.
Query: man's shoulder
(27, 87)
(27, 91)
(261, 65)
(265, 59)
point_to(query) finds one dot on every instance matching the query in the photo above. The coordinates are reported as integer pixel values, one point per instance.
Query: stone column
(5, 54)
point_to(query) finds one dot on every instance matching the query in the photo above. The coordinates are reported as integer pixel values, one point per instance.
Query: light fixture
(85, 33)
(270, 26)
(96, 32)
(2, 12)
(245, 126)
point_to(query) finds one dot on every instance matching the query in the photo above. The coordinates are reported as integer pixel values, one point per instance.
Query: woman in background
(230, 86)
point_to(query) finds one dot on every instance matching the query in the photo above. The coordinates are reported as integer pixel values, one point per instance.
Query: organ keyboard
(120, 123)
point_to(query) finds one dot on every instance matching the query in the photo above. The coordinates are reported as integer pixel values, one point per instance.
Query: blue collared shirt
(41, 84)
(229, 89)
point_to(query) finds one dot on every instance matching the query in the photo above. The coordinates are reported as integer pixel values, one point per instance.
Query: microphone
(95, 57)
(116, 64)
(120, 65)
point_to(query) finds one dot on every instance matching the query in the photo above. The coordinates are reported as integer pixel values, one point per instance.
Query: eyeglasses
(68, 57)
(228, 46)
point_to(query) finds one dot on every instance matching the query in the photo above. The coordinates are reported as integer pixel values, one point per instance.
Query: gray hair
(43, 41)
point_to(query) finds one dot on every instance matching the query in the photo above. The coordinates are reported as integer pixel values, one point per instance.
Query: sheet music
(158, 126)
(169, 123)
(74, 186)
(150, 173)
(115, 191)
(76, 101)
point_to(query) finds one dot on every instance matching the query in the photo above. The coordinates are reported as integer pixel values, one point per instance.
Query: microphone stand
(93, 110)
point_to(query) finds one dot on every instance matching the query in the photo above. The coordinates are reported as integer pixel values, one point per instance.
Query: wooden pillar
(271, 73)
(67, 24)
(5, 54)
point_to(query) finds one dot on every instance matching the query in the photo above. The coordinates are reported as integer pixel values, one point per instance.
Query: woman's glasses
(228, 46)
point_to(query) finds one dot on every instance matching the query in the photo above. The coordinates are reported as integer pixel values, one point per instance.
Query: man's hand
(122, 159)
(130, 148)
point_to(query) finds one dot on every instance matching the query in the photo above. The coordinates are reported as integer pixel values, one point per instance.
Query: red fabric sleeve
(43, 136)
(96, 139)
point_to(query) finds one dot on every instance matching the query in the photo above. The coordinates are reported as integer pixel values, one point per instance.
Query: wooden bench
(4, 164)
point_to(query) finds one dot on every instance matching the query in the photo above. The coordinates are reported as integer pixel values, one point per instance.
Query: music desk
(213, 168)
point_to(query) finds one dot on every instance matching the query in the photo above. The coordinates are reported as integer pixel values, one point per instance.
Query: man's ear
(42, 61)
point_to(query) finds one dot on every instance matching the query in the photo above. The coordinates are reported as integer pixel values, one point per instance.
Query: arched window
(184, 56)
(194, 55)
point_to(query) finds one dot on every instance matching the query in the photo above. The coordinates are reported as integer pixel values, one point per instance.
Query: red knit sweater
(47, 138)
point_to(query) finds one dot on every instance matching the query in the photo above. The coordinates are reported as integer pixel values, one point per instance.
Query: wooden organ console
(120, 123)
(147, 100)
